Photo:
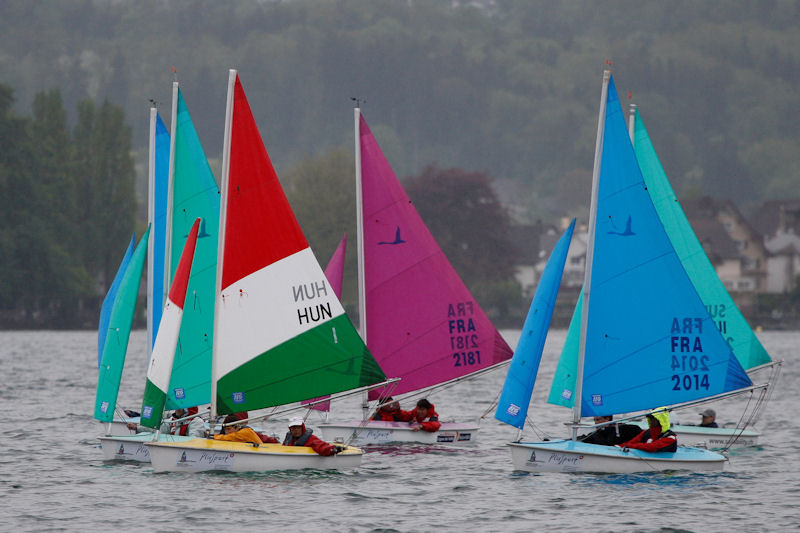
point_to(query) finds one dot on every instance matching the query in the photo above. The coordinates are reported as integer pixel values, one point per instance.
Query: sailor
(389, 411)
(298, 435)
(191, 427)
(423, 417)
(238, 432)
(709, 419)
(658, 437)
(611, 434)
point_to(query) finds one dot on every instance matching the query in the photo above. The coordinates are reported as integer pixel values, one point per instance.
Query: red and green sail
(281, 333)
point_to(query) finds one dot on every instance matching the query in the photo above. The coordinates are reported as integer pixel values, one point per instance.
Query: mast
(173, 126)
(632, 122)
(223, 215)
(362, 300)
(151, 215)
(587, 280)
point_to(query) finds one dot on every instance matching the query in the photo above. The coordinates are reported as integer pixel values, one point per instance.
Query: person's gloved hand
(337, 448)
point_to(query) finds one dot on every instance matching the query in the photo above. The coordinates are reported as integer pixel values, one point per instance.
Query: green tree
(62, 278)
(105, 181)
(468, 221)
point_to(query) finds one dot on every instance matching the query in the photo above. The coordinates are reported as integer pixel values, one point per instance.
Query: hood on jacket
(662, 415)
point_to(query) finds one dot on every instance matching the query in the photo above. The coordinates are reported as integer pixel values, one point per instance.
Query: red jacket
(392, 416)
(648, 442)
(307, 439)
(432, 424)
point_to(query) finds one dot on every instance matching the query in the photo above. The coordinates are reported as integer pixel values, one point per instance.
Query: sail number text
(463, 332)
(686, 339)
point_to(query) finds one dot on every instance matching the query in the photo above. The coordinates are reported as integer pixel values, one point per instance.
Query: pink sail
(423, 325)
(335, 273)
(335, 269)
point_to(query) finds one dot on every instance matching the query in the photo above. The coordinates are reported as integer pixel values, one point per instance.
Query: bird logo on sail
(626, 233)
(397, 238)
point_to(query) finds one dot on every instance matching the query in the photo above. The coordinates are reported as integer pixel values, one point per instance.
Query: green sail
(195, 194)
(308, 365)
(119, 332)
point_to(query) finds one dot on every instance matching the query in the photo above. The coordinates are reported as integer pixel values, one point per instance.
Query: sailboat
(131, 447)
(417, 316)
(646, 338)
(728, 319)
(280, 334)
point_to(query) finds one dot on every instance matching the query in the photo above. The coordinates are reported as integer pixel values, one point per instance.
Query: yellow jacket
(243, 435)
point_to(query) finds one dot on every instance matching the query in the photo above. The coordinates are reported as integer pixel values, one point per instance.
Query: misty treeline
(67, 206)
(507, 90)
(508, 87)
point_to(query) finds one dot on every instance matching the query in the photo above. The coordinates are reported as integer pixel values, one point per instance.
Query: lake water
(53, 477)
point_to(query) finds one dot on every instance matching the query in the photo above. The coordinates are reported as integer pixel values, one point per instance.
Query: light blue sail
(159, 227)
(650, 340)
(195, 194)
(108, 301)
(119, 325)
(512, 407)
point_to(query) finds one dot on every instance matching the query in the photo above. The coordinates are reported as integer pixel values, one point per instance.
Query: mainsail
(118, 330)
(422, 323)
(281, 335)
(648, 339)
(194, 194)
(160, 367)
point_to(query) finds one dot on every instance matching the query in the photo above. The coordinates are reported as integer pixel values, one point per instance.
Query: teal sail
(108, 301)
(159, 227)
(562, 389)
(649, 339)
(119, 331)
(512, 408)
(195, 194)
(733, 326)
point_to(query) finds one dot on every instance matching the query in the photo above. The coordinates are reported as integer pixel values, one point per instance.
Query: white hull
(571, 456)
(201, 455)
(131, 447)
(715, 438)
(118, 427)
(365, 432)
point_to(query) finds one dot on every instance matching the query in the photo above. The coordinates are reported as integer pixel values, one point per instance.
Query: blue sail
(512, 407)
(649, 338)
(108, 301)
(159, 231)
